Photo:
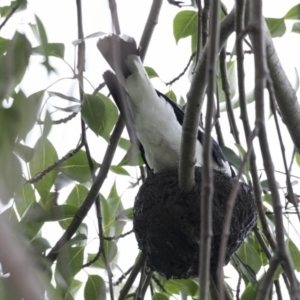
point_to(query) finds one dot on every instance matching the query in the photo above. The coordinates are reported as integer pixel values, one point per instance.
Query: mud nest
(167, 223)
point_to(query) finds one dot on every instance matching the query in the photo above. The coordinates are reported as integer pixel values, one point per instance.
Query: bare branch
(111, 238)
(285, 94)
(136, 269)
(195, 99)
(149, 27)
(207, 176)
(281, 252)
(228, 215)
(93, 192)
(114, 16)
(226, 89)
(184, 70)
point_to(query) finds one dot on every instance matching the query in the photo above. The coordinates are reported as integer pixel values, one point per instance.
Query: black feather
(119, 96)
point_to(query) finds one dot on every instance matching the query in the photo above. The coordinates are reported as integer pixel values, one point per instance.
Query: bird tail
(115, 50)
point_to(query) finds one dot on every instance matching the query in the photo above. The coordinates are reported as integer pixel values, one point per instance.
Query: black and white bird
(156, 118)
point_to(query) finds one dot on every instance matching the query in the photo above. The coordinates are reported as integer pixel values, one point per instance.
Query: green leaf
(124, 144)
(15, 61)
(95, 288)
(252, 240)
(105, 210)
(231, 157)
(132, 158)
(10, 175)
(296, 27)
(293, 13)
(119, 170)
(3, 45)
(171, 95)
(44, 156)
(75, 286)
(44, 42)
(151, 72)
(159, 296)
(111, 251)
(126, 214)
(295, 253)
(276, 27)
(249, 256)
(248, 274)
(27, 109)
(175, 286)
(24, 152)
(56, 213)
(24, 197)
(297, 158)
(53, 49)
(40, 245)
(77, 195)
(69, 263)
(185, 24)
(182, 102)
(100, 114)
(30, 229)
(250, 292)
(194, 42)
(265, 185)
(77, 167)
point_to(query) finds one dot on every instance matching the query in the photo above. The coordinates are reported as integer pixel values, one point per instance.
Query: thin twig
(184, 70)
(93, 192)
(111, 238)
(40, 175)
(138, 294)
(205, 21)
(149, 27)
(122, 277)
(226, 90)
(13, 10)
(265, 285)
(99, 88)
(60, 121)
(238, 287)
(146, 284)
(136, 269)
(195, 98)
(228, 215)
(207, 175)
(281, 253)
(114, 16)
(291, 195)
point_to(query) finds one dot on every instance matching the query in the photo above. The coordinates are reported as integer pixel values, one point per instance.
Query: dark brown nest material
(167, 222)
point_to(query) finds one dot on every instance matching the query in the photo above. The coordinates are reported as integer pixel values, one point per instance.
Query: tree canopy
(69, 172)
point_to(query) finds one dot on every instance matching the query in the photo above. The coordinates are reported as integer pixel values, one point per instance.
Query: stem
(207, 176)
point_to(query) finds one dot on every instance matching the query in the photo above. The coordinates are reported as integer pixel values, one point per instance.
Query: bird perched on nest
(156, 118)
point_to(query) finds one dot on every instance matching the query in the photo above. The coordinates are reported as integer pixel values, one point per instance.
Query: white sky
(59, 19)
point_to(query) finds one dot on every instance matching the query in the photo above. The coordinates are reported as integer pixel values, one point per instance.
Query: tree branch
(195, 99)
(149, 27)
(136, 269)
(207, 176)
(259, 48)
(93, 192)
(228, 215)
(285, 94)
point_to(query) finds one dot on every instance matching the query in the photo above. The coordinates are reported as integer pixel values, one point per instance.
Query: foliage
(41, 183)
